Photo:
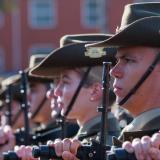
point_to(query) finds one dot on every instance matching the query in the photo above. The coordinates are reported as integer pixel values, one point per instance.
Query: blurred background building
(29, 27)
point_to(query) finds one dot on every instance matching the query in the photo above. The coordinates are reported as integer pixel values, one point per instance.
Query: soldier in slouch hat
(69, 66)
(136, 74)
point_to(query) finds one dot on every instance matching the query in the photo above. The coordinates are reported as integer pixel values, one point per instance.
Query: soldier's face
(65, 89)
(54, 105)
(16, 106)
(36, 95)
(132, 64)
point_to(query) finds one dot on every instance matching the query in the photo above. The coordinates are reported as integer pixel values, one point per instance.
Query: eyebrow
(124, 54)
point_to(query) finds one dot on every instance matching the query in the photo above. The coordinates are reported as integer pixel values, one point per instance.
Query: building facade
(35, 26)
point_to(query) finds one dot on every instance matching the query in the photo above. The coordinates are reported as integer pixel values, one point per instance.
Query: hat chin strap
(140, 82)
(69, 108)
(16, 117)
(35, 113)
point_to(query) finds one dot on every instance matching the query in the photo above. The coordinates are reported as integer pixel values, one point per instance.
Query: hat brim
(143, 32)
(69, 56)
(11, 80)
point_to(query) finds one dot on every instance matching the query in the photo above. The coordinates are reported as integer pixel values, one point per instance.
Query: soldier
(38, 101)
(38, 90)
(68, 65)
(136, 73)
(88, 123)
(12, 114)
(134, 47)
(11, 96)
(38, 105)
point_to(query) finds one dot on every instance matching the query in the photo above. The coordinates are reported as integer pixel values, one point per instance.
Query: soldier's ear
(96, 91)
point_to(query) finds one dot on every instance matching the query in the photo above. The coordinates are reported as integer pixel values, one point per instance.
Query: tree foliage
(7, 5)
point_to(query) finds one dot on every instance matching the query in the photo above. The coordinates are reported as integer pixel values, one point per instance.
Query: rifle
(43, 136)
(104, 108)
(120, 153)
(24, 105)
(85, 152)
(45, 152)
(8, 101)
(39, 138)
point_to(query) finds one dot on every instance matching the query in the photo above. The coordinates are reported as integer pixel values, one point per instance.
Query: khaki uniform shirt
(91, 129)
(145, 124)
(144, 121)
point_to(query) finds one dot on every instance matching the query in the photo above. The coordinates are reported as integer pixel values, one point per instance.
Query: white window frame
(33, 14)
(85, 13)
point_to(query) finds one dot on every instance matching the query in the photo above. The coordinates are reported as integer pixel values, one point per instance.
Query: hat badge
(95, 52)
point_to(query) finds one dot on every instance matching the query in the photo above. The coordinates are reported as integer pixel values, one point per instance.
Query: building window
(90, 13)
(42, 13)
(41, 49)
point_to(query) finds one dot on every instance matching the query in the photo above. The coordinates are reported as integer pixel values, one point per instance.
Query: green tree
(7, 5)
